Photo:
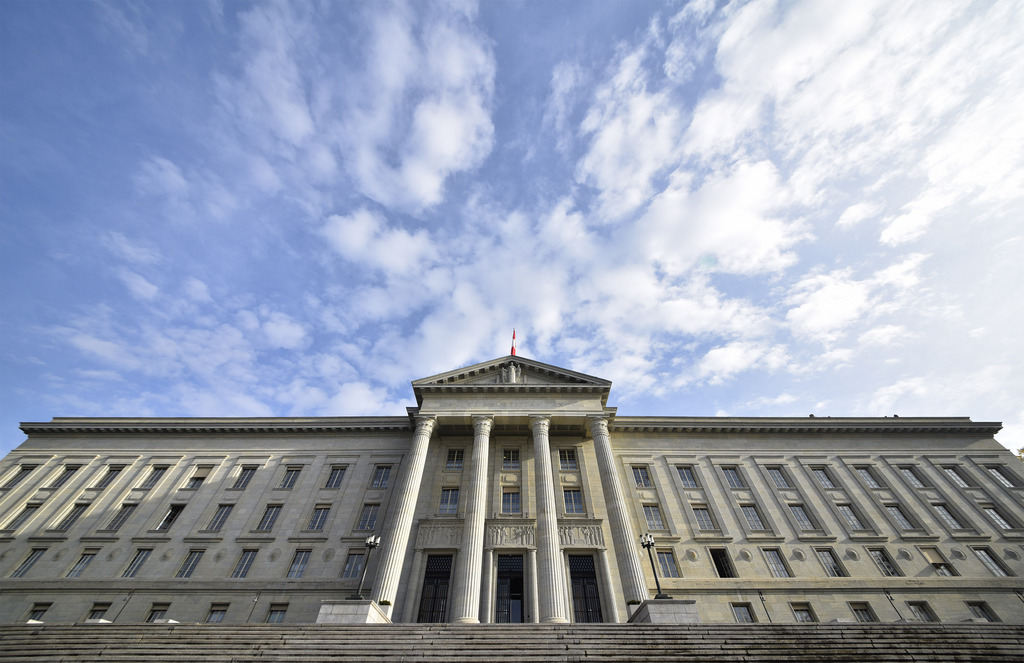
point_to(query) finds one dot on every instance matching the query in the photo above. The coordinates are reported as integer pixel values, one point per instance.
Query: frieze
(581, 535)
(439, 536)
(511, 536)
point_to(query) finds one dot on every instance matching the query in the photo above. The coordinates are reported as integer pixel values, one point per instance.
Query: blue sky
(290, 209)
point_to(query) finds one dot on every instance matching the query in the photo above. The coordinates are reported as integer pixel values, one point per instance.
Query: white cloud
(158, 176)
(133, 251)
(365, 237)
(137, 285)
(824, 305)
(283, 332)
(725, 362)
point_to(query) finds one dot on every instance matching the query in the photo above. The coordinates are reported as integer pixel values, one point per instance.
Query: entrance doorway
(586, 599)
(434, 598)
(509, 608)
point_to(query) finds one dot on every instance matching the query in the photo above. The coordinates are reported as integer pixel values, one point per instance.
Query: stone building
(511, 493)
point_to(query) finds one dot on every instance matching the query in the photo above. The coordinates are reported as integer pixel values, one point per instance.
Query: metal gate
(586, 599)
(434, 598)
(509, 609)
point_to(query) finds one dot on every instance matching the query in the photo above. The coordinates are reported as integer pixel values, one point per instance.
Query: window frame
(990, 561)
(955, 477)
(83, 562)
(28, 562)
(859, 608)
(885, 563)
(922, 611)
(801, 608)
(869, 477)
(336, 476)
(511, 459)
(23, 516)
(667, 564)
(121, 517)
(568, 460)
(454, 459)
(510, 505)
(743, 613)
(688, 476)
(642, 476)
(189, 563)
(71, 517)
(949, 517)
(802, 518)
(220, 516)
(705, 510)
(353, 567)
(574, 506)
(318, 518)
(276, 613)
(19, 476)
(653, 517)
(246, 558)
(752, 515)
(245, 475)
(170, 517)
(733, 477)
(113, 471)
(381, 477)
(156, 473)
(368, 518)
(448, 505)
(778, 477)
(912, 477)
(300, 560)
(824, 477)
(291, 476)
(832, 566)
(851, 517)
(136, 563)
(776, 565)
(270, 515)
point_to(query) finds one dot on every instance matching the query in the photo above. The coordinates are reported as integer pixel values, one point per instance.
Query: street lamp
(371, 543)
(647, 541)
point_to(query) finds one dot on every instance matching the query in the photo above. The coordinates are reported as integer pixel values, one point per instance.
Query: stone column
(466, 594)
(396, 539)
(531, 583)
(412, 602)
(611, 604)
(634, 584)
(487, 591)
(550, 577)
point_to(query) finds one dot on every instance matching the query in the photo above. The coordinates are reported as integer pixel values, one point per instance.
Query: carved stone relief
(581, 535)
(513, 536)
(439, 536)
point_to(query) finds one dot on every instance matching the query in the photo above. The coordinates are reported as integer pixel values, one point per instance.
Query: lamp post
(371, 543)
(647, 541)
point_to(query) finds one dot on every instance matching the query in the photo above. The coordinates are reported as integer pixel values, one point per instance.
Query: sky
(747, 208)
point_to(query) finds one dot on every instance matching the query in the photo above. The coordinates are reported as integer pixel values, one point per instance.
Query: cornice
(809, 425)
(216, 426)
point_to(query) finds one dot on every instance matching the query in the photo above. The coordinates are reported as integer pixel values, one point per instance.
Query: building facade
(511, 493)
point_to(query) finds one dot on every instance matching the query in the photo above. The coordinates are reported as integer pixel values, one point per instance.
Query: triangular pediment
(511, 371)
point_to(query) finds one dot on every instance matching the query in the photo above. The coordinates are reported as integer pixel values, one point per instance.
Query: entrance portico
(523, 450)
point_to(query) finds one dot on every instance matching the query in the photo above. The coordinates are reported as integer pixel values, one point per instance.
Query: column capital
(425, 423)
(597, 423)
(540, 423)
(482, 424)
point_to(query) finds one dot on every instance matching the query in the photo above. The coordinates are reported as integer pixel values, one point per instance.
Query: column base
(466, 620)
(554, 620)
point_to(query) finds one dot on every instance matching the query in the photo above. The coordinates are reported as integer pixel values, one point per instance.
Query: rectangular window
(244, 477)
(172, 514)
(319, 518)
(653, 515)
(884, 562)
(955, 477)
(863, 612)
(567, 460)
(38, 610)
(641, 476)
(353, 565)
(23, 472)
(753, 517)
(189, 564)
(381, 475)
(291, 475)
(98, 611)
(510, 501)
(773, 556)
(269, 518)
(299, 561)
(1001, 476)
(158, 611)
(573, 498)
(991, 562)
(732, 476)
(851, 517)
(198, 477)
(778, 477)
(27, 563)
(910, 474)
(921, 611)
(244, 563)
(276, 613)
(830, 562)
(868, 477)
(704, 519)
(368, 518)
(687, 476)
(20, 519)
(112, 472)
(336, 477)
(141, 555)
(454, 461)
(821, 474)
(997, 518)
(980, 610)
(742, 613)
(154, 476)
(83, 561)
(120, 517)
(69, 471)
(510, 459)
(217, 613)
(803, 521)
(73, 515)
(901, 518)
(449, 502)
(223, 511)
(948, 516)
(802, 613)
(723, 565)
(667, 562)
(938, 562)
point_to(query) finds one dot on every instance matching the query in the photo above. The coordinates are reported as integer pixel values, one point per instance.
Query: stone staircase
(402, 643)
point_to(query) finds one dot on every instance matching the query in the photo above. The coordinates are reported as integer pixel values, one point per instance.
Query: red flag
(513, 341)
